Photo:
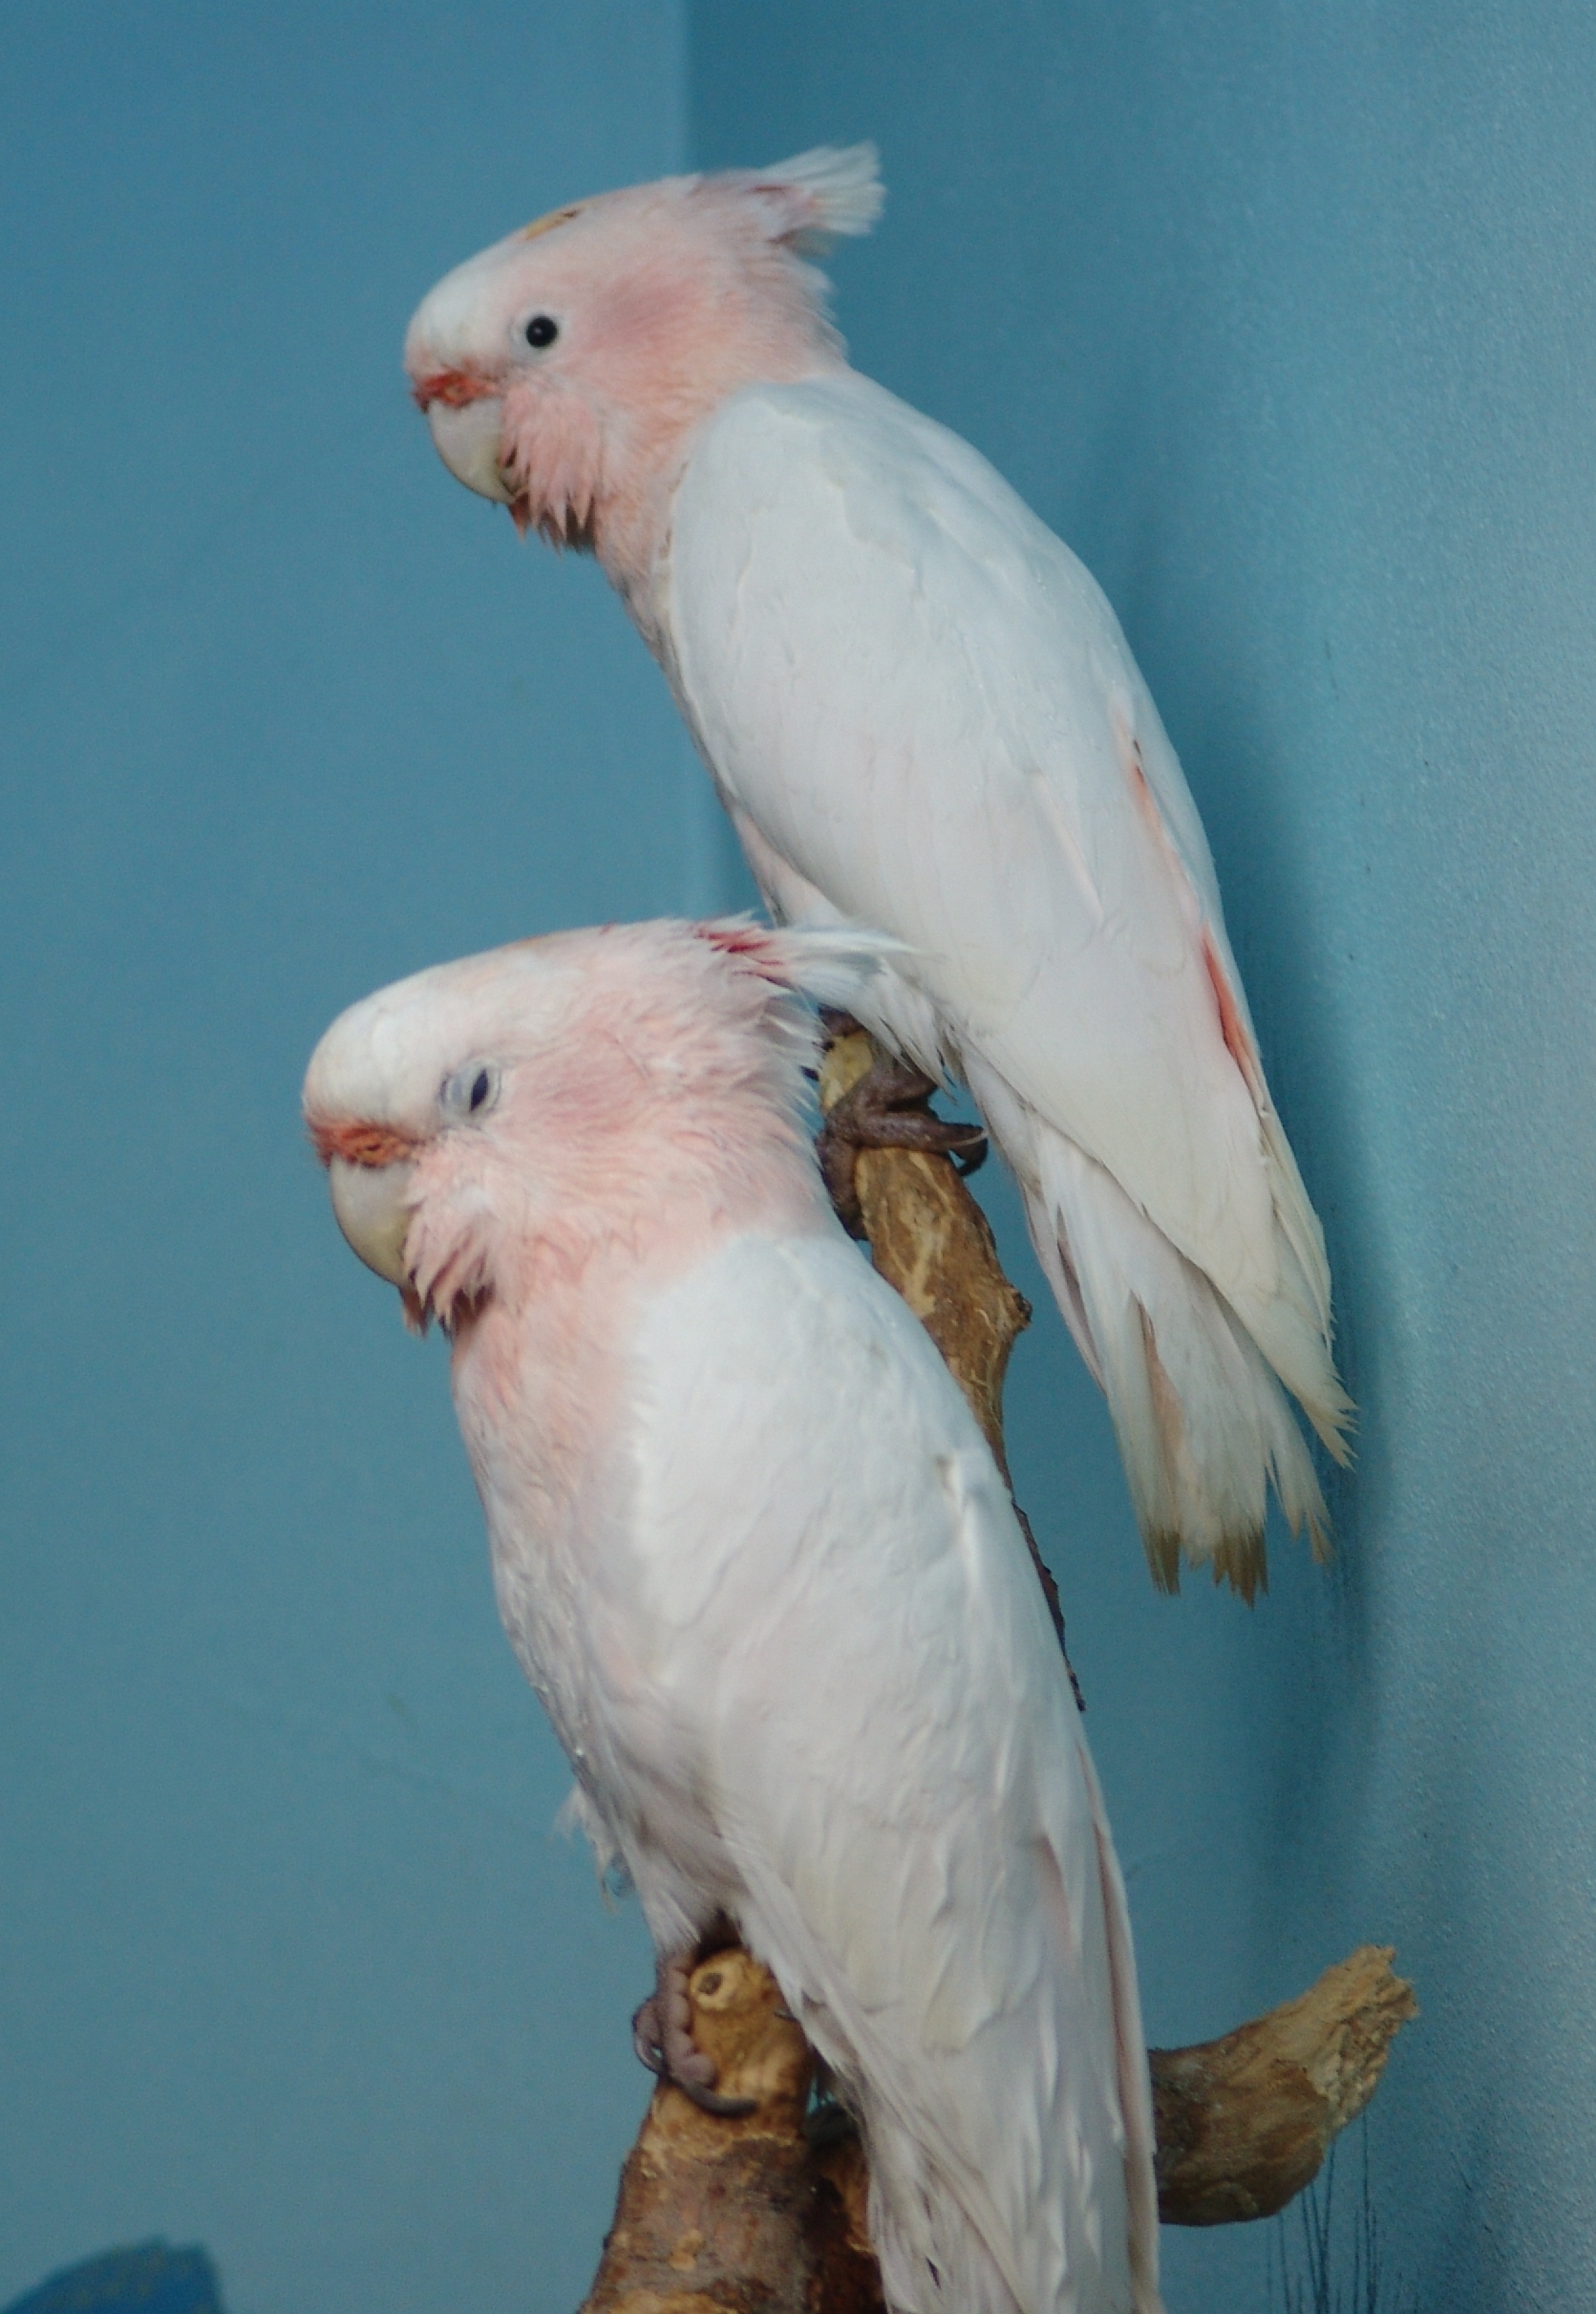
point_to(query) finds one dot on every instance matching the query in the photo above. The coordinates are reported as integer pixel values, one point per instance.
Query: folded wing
(920, 705)
(889, 1747)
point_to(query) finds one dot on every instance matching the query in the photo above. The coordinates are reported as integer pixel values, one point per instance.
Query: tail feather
(1194, 1387)
(1293, 1329)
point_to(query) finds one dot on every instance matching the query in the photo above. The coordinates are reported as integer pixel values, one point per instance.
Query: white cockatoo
(755, 1557)
(921, 714)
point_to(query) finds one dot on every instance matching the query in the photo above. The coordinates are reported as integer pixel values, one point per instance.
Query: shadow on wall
(149, 2280)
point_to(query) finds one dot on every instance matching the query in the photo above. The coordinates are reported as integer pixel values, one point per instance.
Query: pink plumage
(755, 1556)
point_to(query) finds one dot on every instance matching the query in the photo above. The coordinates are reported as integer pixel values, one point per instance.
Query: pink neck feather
(696, 305)
(605, 1195)
(662, 1121)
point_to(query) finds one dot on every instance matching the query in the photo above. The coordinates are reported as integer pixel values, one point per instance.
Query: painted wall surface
(290, 1960)
(1283, 315)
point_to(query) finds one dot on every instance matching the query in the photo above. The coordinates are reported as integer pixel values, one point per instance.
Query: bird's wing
(844, 1611)
(924, 706)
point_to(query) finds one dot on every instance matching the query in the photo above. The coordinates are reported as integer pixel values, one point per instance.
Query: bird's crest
(829, 963)
(814, 198)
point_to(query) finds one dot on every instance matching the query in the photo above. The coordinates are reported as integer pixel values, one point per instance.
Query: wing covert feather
(925, 705)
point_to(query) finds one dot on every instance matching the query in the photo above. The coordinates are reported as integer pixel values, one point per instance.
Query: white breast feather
(871, 1707)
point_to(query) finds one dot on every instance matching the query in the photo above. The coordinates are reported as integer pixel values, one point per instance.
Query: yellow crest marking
(546, 225)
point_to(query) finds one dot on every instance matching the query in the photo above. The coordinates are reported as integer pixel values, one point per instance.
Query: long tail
(1204, 1426)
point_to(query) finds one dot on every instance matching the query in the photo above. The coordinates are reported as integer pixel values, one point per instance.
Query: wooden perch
(753, 2215)
(741, 2217)
(1244, 2122)
(930, 1240)
(747, 2217)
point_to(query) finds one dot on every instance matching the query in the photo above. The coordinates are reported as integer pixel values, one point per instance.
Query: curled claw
(711, 2101)
(662, 2035)
(646, 2035)
(888, 1108)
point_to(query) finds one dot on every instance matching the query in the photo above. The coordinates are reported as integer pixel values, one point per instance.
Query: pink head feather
(646, 1094)
(666, 298)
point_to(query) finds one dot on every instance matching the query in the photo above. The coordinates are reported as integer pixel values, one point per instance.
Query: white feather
(828, 192)
(833, 963)
(925, 718)
(812, 1684)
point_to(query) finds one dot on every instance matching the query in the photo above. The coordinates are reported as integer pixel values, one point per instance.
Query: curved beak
(466, 437)
(372, 1208)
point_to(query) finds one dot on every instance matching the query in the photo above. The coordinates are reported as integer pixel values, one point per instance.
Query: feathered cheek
(552, 458)
(447, 1255)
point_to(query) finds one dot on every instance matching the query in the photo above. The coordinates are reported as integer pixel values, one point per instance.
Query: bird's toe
(662, 2035)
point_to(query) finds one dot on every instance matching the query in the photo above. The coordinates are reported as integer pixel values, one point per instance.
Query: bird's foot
(662, 2035)
(888, 1108)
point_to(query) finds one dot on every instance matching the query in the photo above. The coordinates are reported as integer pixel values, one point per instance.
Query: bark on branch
(749, 2216)
(1244, 2122)
(766, 2214)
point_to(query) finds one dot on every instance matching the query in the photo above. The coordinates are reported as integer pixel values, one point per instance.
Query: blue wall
(290, 1961)
(1283, 315)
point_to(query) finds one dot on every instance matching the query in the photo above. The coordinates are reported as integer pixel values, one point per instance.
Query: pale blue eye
(471, 1091)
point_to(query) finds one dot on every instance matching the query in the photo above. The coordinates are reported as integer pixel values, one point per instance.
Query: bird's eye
(471, 1090)
(541, 330)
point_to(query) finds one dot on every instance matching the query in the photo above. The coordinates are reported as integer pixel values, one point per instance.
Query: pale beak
(372, 1208)
(467, 437)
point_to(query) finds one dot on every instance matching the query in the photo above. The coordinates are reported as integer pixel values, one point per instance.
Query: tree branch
(1244, 2122)
(766, 2214)
(755, 2217)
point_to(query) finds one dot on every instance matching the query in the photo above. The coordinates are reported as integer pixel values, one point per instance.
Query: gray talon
(888, 1108)
(646, 2035)
(661, 2034)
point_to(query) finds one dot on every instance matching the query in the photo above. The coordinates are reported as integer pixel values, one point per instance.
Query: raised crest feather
(830, 963)
(815, 198)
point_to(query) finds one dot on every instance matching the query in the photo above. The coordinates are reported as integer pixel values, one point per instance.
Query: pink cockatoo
(921, 712)
(756, 1560)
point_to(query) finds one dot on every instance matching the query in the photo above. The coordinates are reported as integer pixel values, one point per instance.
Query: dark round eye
(481, 1085)
(542, 331)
